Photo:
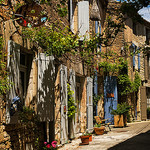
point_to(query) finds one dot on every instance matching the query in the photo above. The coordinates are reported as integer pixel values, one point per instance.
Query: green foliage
(108, 67)
(126, 86)
(96, 98)
(148, 111)
(71, 103)
(4, 81)
(122, 109)
(28, 115)
(54, 42)
(98, 125)
(137, 82)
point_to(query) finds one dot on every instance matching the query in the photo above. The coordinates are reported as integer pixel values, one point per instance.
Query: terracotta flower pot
(85, 139)
(90, 138)
(118, 121)
(99, 130)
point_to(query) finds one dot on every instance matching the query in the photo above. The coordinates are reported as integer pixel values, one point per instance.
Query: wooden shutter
(134, 56)
(110, 97)
(13, 62)
(139, 61)
(63, 98)
(143, 103)
(83, 19)
(46, 80)
(146, 67)
(89, 104)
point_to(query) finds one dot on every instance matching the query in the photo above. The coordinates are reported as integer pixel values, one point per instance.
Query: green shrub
(122, 109)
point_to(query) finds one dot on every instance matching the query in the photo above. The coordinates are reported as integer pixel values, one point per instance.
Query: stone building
(134, 36)
(40, 83)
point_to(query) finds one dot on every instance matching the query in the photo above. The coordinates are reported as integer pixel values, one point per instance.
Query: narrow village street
(133, 137)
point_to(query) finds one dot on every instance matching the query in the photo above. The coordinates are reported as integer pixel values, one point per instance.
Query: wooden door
(143, 103)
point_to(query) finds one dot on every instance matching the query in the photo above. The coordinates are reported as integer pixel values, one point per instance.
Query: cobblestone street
(134, 136)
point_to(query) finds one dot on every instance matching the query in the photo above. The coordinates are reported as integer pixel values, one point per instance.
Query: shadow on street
(138, 142)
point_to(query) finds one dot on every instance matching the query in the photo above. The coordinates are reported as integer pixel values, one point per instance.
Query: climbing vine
(54, 42)
(71, 103)
(4, 82)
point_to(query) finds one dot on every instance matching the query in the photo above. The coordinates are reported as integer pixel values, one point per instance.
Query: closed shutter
(146, 67)
(63, 98)
(110, 97)
(100, 33)
(134, 56)
(46, 80)
(89, 104)
(13, 62)
(83, 19)
(143, 103)
(72, 87)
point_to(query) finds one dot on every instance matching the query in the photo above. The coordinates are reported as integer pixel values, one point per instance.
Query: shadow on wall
(139, 142)
(46, 97)
(46, 84)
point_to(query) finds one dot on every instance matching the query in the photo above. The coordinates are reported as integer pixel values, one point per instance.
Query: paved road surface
(134, 137)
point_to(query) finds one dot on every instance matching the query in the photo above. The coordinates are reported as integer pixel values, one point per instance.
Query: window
(148, 36)
(134, 28)
(23, 70)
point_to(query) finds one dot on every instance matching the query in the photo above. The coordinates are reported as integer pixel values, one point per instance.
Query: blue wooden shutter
(134, 56)
(110, 96)
(83, 19)
(139, 60)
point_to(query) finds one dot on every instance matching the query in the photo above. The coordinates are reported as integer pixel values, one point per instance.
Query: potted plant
(99, 129)
(120, 114)
(84, 139)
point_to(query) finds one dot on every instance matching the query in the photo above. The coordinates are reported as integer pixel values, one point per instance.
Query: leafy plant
(4, 81)
(122, 109)
(148, 111)
(96, 98)
(71, 103)
(28, 115)
(98, 125)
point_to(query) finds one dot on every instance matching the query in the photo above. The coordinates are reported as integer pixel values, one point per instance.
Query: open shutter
(139, 61)
(72, 87)
(134, 56)
(63, 98)
(89, 104)
(46, 80)
(83, 19)
(13, 62)
(143, 103)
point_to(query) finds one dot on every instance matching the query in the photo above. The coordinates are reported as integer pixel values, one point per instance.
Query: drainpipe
(95, 77)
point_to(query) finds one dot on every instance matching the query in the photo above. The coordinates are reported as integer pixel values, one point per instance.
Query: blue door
(110, 97)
